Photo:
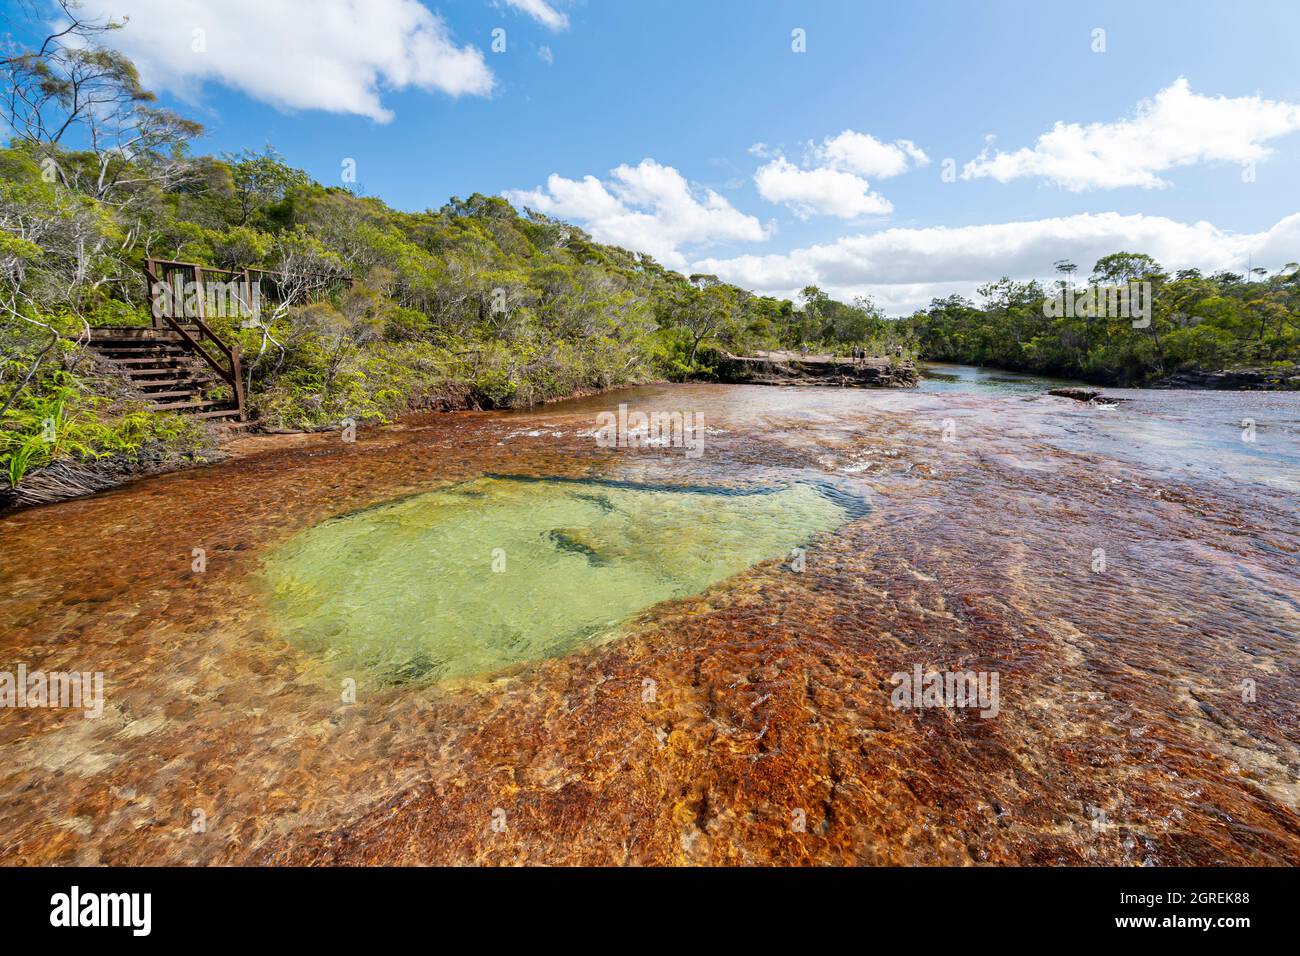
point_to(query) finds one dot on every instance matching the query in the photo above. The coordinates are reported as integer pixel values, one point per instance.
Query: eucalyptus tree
(82, 107)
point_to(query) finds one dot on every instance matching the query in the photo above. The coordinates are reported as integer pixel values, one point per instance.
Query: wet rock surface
(791, 368)
(748, 724)
(1078, 394)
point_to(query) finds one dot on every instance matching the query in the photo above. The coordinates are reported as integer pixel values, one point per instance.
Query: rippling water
(1129, 573)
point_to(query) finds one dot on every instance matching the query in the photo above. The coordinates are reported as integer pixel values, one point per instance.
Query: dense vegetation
(1196, 323)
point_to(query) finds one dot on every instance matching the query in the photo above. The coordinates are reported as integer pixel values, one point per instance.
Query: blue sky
(678, 94)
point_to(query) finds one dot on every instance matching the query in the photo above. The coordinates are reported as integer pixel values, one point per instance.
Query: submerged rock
(1090, 395)
(1078, 394)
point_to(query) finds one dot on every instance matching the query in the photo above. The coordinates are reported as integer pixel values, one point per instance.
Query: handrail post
(152, 293)
(238, 383)
(200, 294)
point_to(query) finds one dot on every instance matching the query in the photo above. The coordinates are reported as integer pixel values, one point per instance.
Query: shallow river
(492, 638)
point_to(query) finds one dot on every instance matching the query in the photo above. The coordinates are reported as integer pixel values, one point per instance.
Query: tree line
(1196, 323)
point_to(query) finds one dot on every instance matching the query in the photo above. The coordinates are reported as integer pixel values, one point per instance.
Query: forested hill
(518, 308)
(473, 303)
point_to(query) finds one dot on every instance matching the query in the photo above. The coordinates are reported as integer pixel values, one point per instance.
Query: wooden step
(178, 406)
(137, 332)
(121, 333)
(137, 374)
(114, 345)
(155, 360)
(222, 413)
(111, 345)
(143, 354)
(197, 381)
(187, 392)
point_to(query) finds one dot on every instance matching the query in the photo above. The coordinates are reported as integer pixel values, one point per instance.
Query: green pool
(474, 578)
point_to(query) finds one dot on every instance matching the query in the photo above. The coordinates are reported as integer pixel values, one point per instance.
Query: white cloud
(821, 190)
(545, 55)
(1176, 128)
(648, 207)
(831, 180)
(333, 55)
(865, 155)
(904, 268)
(542, 12)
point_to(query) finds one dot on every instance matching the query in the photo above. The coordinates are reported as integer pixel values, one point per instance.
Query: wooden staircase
(179, 363)
(163, 366)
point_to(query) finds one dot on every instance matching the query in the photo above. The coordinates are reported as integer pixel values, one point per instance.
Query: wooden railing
(179, 300)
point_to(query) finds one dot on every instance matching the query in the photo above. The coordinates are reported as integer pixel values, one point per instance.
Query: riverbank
(1281, 378)
(72, 478)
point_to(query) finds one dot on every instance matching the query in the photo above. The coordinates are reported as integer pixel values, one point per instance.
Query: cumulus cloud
(1176, 128)
(333, 55)
(648, 208)
(865, 155)
(821, 190)
(902, 269)
(832, 178)
(542, 12)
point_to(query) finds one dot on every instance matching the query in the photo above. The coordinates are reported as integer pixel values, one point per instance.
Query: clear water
(1230, 436)
(477, 577)
(945, 377)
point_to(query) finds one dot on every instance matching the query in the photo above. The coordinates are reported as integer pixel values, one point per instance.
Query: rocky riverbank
(789, 368)
(1286, 378)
